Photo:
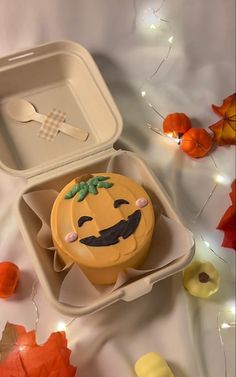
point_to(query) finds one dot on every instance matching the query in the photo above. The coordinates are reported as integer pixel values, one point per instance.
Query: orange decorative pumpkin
(176, 124)
(196, 142)
(9, 276)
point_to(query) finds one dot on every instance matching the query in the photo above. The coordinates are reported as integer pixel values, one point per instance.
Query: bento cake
(103, 222)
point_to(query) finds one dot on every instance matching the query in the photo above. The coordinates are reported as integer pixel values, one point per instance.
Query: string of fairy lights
(152, 19)
(152, 23)
(33, 295)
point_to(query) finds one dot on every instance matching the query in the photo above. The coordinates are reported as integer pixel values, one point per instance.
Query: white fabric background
(200, 71)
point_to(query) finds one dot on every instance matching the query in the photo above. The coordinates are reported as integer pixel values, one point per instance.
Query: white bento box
(63, 75)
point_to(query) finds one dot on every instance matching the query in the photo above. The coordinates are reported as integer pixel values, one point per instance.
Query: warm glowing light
(176, 140)
(219, 178)
(225, 325)
(207, 243)
(21, 348)
(148, 20)
(233, 309)
(222, 179)
(170, 40)
(143, 93)
(61, 326)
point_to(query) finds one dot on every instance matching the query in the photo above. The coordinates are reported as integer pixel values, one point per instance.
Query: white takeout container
(63, 75)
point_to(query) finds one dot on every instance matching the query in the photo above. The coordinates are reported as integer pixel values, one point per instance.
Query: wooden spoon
(23, 111)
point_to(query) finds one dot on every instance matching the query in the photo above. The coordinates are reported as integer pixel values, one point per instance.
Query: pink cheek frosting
(141, 202)
(71, 237)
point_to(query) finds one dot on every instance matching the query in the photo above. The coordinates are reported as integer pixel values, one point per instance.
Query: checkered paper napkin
(50, 126)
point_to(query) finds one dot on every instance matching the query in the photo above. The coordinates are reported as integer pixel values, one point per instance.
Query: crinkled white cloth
(200, 71)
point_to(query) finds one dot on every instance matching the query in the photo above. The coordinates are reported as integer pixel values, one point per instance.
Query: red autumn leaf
(229, 239)
(228, 221)
(225, 129)
(21, 356)
(233, 193)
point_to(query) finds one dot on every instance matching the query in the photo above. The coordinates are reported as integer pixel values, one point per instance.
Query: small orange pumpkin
(196, 142)
(176, 124)
(9, 276)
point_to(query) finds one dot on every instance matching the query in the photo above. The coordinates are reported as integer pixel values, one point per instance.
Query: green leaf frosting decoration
(83, 188)
(73, 191)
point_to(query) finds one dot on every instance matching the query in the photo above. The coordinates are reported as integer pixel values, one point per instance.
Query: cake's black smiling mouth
(110, 236)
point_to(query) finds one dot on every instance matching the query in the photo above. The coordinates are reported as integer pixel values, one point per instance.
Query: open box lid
(64, 76)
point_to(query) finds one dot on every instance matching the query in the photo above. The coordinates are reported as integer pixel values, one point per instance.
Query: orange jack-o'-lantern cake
(104, 222)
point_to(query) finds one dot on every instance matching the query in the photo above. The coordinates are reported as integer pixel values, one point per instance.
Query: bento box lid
(60, 75)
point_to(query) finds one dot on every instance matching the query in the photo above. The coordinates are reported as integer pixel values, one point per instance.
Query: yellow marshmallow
(152, 365)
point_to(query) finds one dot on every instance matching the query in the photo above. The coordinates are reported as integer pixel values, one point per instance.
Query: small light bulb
(233, 309)
(21, 348)
(148, 20)
(225, 325)
(61, 326)
(170, 40)
(224, 180)
(219, 178)
(143, 93)
(207, 243)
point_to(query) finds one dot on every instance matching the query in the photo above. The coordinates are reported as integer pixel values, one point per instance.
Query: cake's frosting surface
(111, 228)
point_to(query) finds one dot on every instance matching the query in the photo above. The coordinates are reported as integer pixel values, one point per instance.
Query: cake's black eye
(119, 202)
(83, 219)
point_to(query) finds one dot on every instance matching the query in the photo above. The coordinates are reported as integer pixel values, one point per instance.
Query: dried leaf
(21, 356)
(233, 193)
(225, 129)
(228, 221)
(9, 337)
(230, 239)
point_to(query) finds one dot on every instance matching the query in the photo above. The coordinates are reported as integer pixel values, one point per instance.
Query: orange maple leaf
(225, 129)
(21, 356)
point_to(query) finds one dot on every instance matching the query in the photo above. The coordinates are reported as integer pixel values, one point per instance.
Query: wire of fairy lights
(63, 326)
(152, 23)
(33, 295)
(218, 178)
(207, 244)
(152, 26)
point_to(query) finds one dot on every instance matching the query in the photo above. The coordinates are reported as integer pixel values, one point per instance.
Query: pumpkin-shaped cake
(104, 222)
